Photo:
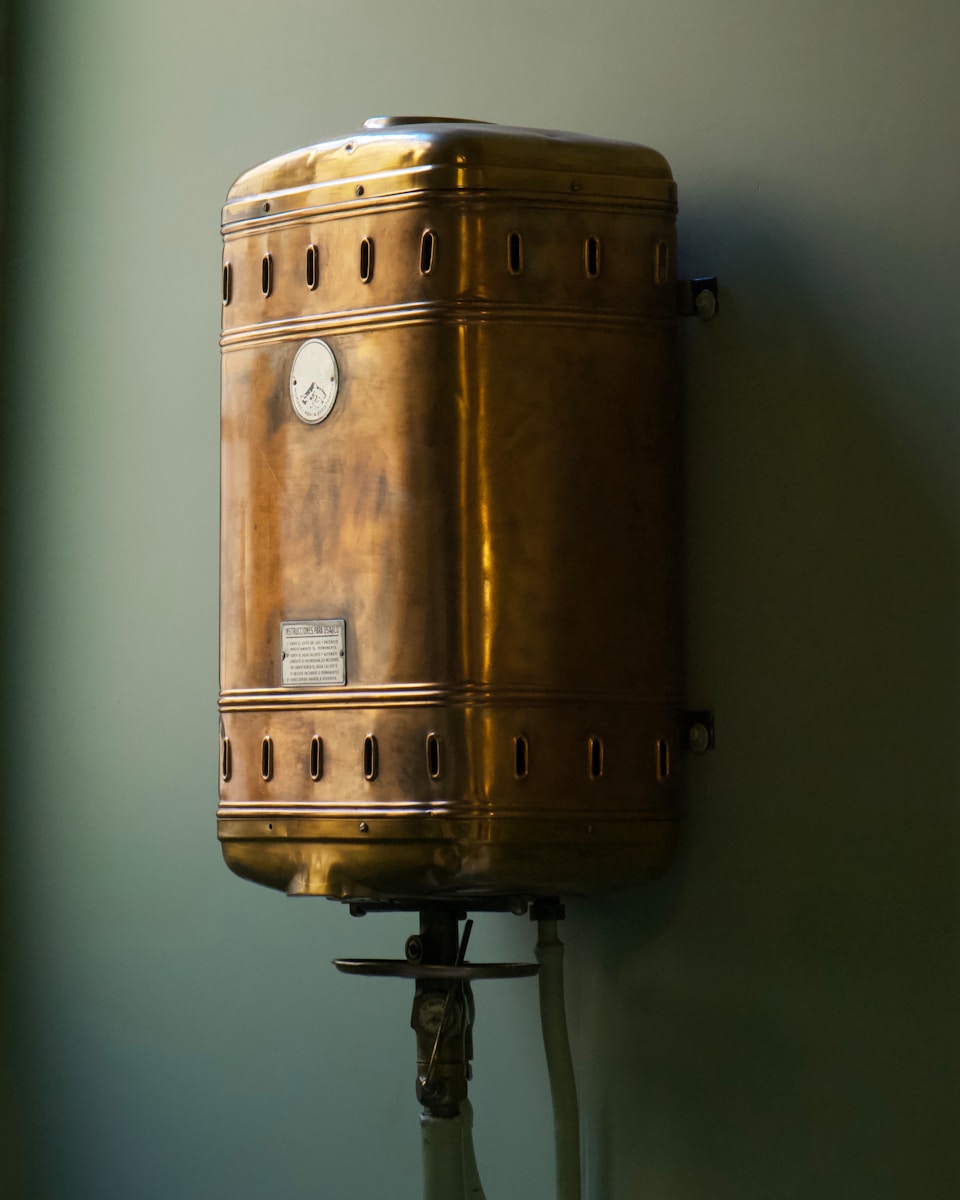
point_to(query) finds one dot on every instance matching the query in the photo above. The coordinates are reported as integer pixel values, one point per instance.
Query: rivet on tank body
(359, 189)
(364, 827)
(576, 185)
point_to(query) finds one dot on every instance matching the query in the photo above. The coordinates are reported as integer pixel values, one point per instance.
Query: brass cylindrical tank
(450, 621)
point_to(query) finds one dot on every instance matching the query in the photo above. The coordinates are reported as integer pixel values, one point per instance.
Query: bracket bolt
(699, 738)
(705, 303)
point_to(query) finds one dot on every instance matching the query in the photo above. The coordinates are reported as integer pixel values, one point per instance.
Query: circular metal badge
(314, 380)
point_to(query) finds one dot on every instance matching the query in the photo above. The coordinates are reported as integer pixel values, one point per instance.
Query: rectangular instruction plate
(313, 653)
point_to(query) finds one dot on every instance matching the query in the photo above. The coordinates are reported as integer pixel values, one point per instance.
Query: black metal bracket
(456, 907)
(547, 909)
(697, 732)
(698, 297)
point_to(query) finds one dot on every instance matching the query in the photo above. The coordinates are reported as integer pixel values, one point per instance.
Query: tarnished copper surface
(491, 507)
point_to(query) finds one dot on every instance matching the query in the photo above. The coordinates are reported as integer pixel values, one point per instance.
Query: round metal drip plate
(401, 969)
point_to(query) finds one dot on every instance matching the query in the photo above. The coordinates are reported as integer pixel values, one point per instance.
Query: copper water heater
(450, 619)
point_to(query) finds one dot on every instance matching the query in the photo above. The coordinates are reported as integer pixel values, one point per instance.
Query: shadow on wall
(777, 1016)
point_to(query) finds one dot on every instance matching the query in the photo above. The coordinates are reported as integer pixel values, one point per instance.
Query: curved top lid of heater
(391, 156)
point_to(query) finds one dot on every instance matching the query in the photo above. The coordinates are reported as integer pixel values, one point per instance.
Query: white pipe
(563, 1085)
(442, 1141)
(449, 1162)
(472, 1188)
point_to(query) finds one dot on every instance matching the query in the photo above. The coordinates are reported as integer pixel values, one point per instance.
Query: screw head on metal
(699, 738)
(364, 827)
(705, 304)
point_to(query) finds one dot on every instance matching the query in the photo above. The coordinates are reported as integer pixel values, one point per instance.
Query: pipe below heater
(563, 1084)
(449, 1162)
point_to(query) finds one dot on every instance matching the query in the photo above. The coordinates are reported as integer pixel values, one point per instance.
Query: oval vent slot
(663, 759)
(514, 253)
(591, 256)
(595, 757)
(521, 757)
(312, 267)
(366, 260)
(370, 758)
(434, 759)
(316, 758)
(266, 758)
(428, 252)
(661, 263)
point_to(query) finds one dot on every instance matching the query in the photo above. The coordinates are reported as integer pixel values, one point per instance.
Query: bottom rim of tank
(392, 860)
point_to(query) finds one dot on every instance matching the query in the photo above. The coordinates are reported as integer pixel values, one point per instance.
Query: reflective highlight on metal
(491, 506)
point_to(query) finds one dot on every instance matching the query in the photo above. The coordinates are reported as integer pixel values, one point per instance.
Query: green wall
(776, 1018)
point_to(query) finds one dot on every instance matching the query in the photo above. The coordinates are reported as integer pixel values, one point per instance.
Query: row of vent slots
(428, 258)
(434, 757)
